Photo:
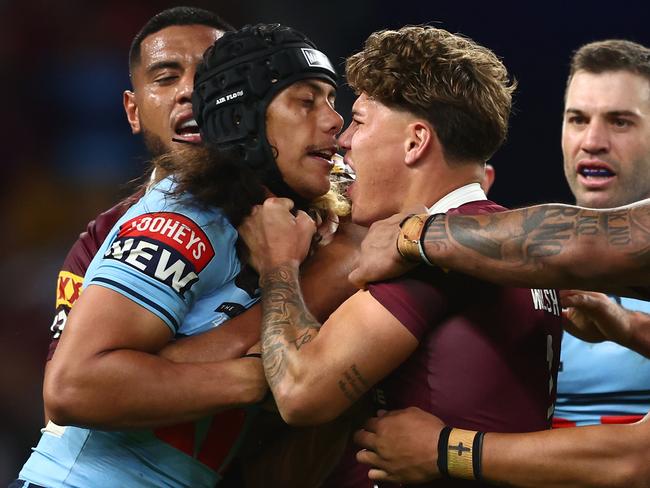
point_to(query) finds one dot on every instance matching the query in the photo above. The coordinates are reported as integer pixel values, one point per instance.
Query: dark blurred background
(68, 151)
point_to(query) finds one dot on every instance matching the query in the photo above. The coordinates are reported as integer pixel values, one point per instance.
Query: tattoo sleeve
(545, 244)
(287, 325)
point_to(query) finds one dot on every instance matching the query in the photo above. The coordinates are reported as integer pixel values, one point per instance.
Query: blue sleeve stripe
(153, 305)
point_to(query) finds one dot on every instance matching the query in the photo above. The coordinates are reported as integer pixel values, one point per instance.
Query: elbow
(301, 407)
(631, 467)
(636, 472)
(63, 399)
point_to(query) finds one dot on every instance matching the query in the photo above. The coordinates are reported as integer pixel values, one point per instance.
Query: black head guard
(239, 76)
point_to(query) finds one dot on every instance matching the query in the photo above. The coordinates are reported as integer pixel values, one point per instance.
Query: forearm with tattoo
(287, 324)
(535, 233)
(545, 244)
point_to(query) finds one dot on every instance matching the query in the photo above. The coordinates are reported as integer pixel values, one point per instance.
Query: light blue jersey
(598, 383)
(179, 262)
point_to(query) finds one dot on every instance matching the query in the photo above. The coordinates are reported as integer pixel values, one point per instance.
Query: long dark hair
(216, 179)
(213, 179)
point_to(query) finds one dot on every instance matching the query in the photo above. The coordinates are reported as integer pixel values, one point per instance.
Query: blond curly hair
(461, 88)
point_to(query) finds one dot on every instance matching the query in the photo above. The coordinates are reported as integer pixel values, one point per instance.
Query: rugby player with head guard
(432, 109)
(169, 268)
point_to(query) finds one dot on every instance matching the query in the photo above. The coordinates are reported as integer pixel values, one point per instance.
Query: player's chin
(359, 217)
(316, 188)
(592, 199)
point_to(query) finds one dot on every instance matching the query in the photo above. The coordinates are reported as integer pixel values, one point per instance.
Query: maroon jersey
(82, 252)
(488, 355)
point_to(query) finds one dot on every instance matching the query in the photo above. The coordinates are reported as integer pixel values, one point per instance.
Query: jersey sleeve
(415, 303)
(165, 254)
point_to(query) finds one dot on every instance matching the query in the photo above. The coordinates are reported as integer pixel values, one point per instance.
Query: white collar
(465, 194)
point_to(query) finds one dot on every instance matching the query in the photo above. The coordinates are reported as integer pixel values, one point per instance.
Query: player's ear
(419, 137)
(488, 179)
(131, 109)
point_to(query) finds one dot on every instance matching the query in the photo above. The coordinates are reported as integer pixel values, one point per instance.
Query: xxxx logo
(68, 288)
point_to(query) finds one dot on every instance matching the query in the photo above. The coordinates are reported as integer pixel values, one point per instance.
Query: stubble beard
(154, 144)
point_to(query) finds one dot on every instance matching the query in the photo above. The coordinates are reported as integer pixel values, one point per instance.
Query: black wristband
(443, 441)
(477, 451)
(427, 223)
(429, 220)
(252, 355)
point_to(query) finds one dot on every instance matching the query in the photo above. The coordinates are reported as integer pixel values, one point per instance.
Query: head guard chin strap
(240, 75)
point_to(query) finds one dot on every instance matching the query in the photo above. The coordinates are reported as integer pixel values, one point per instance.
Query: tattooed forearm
(467, 231)
(618, 228)
(640, 225)
(547, 245)
(517, 236)
(353, 384)
(302, 340)
(546, 230)
(588, 225)
(274, 361)
(436, 238)
(286, 322)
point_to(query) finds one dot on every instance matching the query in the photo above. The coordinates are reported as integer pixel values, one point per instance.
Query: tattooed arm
(547, 246)
(550, 245)
(315, 372)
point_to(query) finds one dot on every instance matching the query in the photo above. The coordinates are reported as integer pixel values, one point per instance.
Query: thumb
(577, 298)
(278, 202)
(303, 217)
(355, 277)
(304, 221)
(568, 316)
(572, 300)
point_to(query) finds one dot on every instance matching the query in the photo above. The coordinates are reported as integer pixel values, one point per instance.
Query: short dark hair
(460, 87)
(174, 16)
(611, 55)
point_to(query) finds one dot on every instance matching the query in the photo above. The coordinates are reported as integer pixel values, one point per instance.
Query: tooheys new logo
(166, 246)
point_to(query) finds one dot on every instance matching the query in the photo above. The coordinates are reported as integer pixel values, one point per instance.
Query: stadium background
(68, 150)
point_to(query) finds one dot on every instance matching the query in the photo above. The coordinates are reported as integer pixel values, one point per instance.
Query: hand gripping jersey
(180, 263)
(602, 383)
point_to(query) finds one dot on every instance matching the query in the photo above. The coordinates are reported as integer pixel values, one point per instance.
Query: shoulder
(165, 228)
(416, 300)
(159, 210)
(99, 228)
(423, 285)
(478, 207)
(165, 252)
(89, 241)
